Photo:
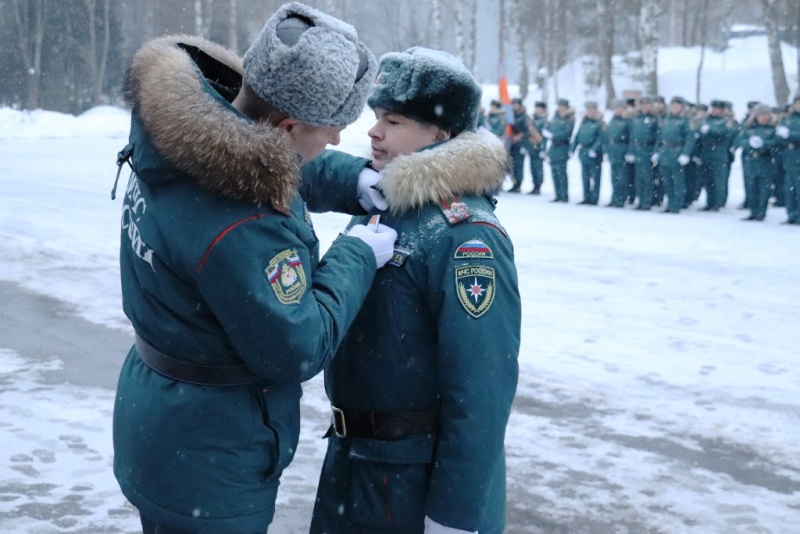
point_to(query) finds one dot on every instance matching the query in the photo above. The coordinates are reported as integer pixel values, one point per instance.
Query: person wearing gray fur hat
(221, 276)
(432, 356)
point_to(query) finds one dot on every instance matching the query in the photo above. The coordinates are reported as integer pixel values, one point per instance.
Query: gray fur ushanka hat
(311, 66)
(429, 86)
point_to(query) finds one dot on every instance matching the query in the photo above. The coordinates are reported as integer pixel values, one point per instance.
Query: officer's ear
(441, 135)
(287, 124)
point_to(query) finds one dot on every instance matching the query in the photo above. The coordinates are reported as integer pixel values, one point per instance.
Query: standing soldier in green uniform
(422, 386)
(674, 146)
(695, 181)
(538, 145)
(660, 111)
(496, 119)
(789, 133)
(615, 144)
(713, 149)
(734, 134)
(643, 132)
(559, 132)
(519, 143)
(746, 121)
(588, 142)
(778, 187)
(757, 141)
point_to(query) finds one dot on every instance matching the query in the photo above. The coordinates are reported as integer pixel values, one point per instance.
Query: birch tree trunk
(30, 45)
(436, 15)
(501, 39)
(772, 23)
(648, 29)
(100, 78)
(203, 11)
(605, 18)
(519, 48)
(233, 26)
(473, 37)
(461, 52)
(703, 39)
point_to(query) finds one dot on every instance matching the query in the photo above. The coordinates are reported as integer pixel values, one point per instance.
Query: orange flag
(506, 101)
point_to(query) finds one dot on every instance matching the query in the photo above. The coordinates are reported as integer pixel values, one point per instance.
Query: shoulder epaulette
(455, 212)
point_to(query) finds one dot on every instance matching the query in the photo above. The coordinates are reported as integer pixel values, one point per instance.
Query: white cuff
(432, 527)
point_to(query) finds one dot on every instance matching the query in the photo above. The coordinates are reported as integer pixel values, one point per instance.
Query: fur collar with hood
(220, 149)
(473, 164)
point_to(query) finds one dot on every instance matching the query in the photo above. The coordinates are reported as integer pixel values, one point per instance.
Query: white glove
(368, 196)
(542, 154)
(379, 237)
(592, 153)
(654, 159)
(547, 134)
(432, 527)
(683, 160)
(756, 141)
(630, 158)
(696, 160)
(782, 131)
(704, 129)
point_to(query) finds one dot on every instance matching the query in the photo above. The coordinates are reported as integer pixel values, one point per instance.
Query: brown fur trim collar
(473, 163)
(222, 151)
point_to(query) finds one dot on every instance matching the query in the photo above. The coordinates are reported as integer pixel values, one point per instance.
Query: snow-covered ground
(659, 363)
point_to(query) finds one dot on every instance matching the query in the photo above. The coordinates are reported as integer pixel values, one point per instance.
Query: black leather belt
(192, 373)
(383, 425)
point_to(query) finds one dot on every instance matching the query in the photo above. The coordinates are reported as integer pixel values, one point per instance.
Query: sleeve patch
(286, 277)
(475, 288)
(474, 248)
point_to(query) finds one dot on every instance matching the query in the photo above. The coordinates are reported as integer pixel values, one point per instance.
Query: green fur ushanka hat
(429, 86)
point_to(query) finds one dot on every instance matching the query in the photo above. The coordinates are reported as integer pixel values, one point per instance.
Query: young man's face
(310, 141)
(395, 135)
(763, 118)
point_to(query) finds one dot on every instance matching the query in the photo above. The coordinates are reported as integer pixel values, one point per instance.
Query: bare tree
(97, 53)
(605, 17)
(649, 30)
(203, 12)
(461, 51)
(30, 34)
(519, 48)
(501, 38)
(436, 15)
(772, 23)
(703, 38)
(473, 37)
(233, 25)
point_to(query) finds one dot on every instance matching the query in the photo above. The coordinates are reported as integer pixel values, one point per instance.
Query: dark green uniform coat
(519, 146)
(644, 131)
(615, 144)
(757, 166)
(791, 164)
(588, 142)
(713, 149)
(496, 123)
(560, 129)
(537, 153)
(439, 332)
(219, 266)
(676, 138)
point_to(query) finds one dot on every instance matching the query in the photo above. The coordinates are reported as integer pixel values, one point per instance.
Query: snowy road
(659, 370)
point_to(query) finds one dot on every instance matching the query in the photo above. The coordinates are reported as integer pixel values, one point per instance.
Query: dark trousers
(517, 163)
(537, 168)
(560, 180)
(715, 176)
(779, 185)
(674, 177)
(758, 194)
(630, 172)
(644, 182)
(658, 186)
(793, 196)
(621, 178)
(590, 172)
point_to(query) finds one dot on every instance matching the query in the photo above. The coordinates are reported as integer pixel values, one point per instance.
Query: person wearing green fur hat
(422, 386)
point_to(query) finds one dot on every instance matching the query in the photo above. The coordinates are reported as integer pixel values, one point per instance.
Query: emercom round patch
(286, 277)
(475, 288)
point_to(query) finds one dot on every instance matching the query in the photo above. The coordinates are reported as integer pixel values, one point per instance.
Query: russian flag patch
(474, 248)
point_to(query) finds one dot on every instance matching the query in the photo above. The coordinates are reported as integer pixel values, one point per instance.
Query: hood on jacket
(473, 163)
(179, 86)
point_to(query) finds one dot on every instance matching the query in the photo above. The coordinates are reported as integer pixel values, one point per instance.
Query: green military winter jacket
(675, 138)
(439, 331)
(644, 130)
(219, 266)
(757, 161)
(616, 138)
(791, 144)
(716, 137)
(589, 138)
(561, 128)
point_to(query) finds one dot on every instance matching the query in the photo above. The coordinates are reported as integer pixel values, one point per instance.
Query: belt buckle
(338, 421)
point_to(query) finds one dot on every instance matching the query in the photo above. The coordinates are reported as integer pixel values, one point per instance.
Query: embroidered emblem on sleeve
(474, 248)
(475, 287)
(286, 277)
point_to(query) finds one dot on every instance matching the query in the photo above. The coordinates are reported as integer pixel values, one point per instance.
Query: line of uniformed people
(660, 155)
